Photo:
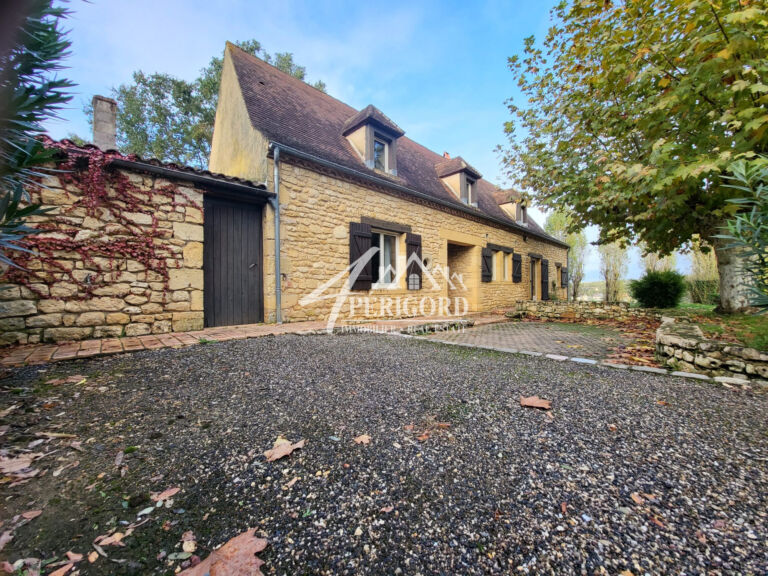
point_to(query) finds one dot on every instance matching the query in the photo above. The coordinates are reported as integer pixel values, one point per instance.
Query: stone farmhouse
(135, 246)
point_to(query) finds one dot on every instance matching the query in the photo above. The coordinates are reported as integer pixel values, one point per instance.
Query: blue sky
(438, 69)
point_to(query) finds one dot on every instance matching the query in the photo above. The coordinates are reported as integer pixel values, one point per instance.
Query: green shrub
(703, 291)
(658, 289)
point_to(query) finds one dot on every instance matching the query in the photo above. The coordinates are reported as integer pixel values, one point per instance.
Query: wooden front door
(232, 263)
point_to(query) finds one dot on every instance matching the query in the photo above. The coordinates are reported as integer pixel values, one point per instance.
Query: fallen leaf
(701, 537)
(113, 540)
(165, 494)
(63, 570)
(535, 402)
(564, 507)
(409, 427)
(626, 573)
(363, 439)
(5, 537)
(658, 522)
(662, 403)
(443, 425)
(30, 514)
(424, 437)
(55, 435)
(236, 557)
(637, 498)
(93, 556)
(292, 482)
(14, 465)
(74, 556)
(612, 427)
(282, 448)
(387, 509)
(7, 567)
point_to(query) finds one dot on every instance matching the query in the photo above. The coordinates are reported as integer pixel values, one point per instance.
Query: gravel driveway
(628, 471)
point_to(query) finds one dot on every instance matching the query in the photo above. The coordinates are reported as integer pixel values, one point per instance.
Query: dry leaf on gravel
(30, 514)
(282, 448)
(164, 495)
(387, 509)
(63, 570)
(17, 465)
(637, 498)
(74, 556)
(93, 556)
(535, 402)
(235, 558)
(5, 537)
(363, 439)
(115, 539)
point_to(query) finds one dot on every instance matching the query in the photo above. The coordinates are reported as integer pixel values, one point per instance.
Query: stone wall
(315, 249)
(120, 257)
(578, 310)
(682, 346)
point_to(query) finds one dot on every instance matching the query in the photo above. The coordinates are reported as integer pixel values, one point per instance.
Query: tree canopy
(631, 112)
(171, 119)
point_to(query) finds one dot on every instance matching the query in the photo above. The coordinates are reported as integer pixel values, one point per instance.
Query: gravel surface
(628, 471)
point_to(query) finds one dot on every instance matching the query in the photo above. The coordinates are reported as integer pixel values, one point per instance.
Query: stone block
(90, 319)
(66, 334)
(193, 255)
(161, 327)
(177, 306)
(185, 278)
(9, 292)
(117, 318)
(196, 300)
(180, 296)
(139, 218)
(137, 329)
(194, 215)
(151, 308)
(44, 321)
(186, 231)
(186, 321)
(101, 304)
(118, 290)
(107, 331)
(135, 299)
(10, 308)
(12, 324)
(63, 290)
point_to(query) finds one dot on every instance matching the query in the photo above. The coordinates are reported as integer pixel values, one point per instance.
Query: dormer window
(374, 137)
(380, 154)
(522, 213)
(460, 178)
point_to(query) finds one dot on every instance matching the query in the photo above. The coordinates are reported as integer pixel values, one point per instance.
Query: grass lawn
(747, 329)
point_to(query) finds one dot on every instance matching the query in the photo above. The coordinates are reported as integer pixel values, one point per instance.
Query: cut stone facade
(315, 249)
(682, 346)
(80, 297)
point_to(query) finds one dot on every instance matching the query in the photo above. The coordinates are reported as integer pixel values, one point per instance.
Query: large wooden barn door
(232, 263)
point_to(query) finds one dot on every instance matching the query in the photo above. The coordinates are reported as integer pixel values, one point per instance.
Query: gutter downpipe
(276, 207)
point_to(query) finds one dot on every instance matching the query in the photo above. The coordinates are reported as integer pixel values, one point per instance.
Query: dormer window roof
(460, 178)
(374, 137)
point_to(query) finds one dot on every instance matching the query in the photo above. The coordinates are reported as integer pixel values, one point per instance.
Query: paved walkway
(548, 338)
(42, 353)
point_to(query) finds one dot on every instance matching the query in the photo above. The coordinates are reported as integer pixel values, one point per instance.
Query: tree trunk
(734, 279)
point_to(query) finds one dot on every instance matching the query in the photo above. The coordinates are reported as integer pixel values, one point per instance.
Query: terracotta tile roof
(292, 113)
(69, 147)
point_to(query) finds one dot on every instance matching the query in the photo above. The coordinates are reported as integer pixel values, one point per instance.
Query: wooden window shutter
(359, 243)
(413, 270)
(517, 268)
(486, 262)
(564, 278)
(545, 279)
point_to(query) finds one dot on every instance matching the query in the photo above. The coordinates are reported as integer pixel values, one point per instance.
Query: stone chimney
(446, 155)
(104, 123)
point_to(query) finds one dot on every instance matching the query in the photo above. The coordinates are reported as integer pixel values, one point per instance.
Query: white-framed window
(380, 154)
(385, 260)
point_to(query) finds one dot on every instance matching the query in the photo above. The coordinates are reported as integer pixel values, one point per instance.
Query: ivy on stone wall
(113, 220)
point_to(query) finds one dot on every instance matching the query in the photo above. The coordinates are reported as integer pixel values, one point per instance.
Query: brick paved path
(547, 338)
(42, 353)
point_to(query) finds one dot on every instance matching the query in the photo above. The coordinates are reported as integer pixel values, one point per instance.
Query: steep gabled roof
(372, 114)
(448, 167)
(292, 113)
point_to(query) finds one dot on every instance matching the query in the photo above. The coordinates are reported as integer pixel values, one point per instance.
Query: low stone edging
(578, 310)
(684, 347)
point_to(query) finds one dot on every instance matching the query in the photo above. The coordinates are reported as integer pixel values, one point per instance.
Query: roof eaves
(384, 182)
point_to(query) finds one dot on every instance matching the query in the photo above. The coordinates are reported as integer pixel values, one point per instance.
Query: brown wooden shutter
(545, 279)
(486, 262)
(413, 272)
(517, 268)
(359, 244)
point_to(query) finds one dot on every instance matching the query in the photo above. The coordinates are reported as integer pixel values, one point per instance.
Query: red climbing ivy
(107, 195)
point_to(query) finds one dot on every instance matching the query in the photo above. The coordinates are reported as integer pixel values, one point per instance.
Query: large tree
(633, 112)
(171, 119)
(613, 267)
(558, 225)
